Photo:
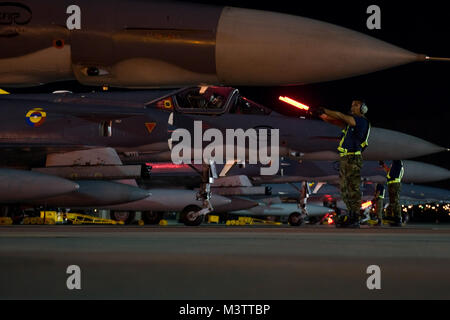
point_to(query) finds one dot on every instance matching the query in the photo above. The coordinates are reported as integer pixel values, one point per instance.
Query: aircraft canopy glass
(197, 100)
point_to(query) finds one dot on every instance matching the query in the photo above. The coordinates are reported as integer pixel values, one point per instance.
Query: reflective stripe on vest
(363, 145)
(396, 180)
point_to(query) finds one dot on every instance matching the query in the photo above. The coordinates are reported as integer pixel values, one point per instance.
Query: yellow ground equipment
(53, 217)
(242, 221)
(385, 222)
(213, 219)
(47, 217)
(77, 218)
(4, 221)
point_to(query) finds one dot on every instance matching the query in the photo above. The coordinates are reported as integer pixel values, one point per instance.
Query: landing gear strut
(193, 215)
(295, 218)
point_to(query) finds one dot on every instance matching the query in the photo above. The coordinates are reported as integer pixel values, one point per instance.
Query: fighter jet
(292, 171)
(83, 139)
(410, 193)
(42, 125)
(328, 171)
(148, 44)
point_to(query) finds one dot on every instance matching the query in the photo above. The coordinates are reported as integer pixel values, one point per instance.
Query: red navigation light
(167, 166)
(294, 103)
(366, 204)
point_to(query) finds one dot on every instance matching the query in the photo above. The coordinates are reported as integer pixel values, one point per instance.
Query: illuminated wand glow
(294, 103)
(366, 204)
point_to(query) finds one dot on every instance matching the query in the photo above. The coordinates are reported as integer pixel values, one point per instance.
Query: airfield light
(294, 103)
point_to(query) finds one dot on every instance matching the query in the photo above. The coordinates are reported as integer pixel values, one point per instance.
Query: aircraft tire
(152, 217)
(126, 216)
(295, 219)
(185, 216)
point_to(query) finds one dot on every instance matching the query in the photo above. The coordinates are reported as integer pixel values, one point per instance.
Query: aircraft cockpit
(204, 100)
(242, 105)
(210, 101)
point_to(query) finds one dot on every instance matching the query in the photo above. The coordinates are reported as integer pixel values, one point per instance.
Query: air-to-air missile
(20, 185)
(142, 44)
(275, 208)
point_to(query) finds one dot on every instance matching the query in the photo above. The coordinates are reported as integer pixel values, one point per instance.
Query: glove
(317, 112)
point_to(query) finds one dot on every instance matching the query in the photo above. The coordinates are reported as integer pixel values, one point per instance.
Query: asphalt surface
(220, 262)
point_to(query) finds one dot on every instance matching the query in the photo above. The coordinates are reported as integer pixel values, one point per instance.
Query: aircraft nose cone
(266, 48)
(419, 172)
(393, 145)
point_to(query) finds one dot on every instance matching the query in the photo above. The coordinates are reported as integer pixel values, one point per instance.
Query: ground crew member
(353, 142)
(378, 200)
(394, 175)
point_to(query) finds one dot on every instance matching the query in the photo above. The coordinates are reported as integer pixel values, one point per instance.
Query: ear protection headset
(364, 108)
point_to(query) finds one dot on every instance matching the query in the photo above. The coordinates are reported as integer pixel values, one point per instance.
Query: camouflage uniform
(350, 180)
(394, 178)
(379, 201)
(379, 205)
(354, 139)
(394, 200)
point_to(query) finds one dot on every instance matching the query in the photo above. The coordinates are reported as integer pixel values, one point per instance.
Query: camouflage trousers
(379, 206)
(350, 180)
(394, 209)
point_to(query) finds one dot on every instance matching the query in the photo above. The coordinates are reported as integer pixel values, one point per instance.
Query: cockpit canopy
(210, 101)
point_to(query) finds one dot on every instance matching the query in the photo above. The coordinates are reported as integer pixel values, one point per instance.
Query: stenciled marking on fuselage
(36, 117)
(150, 126)
(258, 146)
(14, 13)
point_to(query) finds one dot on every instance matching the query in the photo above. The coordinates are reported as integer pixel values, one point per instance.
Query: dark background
(413, 99)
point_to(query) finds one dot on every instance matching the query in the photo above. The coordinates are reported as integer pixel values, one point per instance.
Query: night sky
(413, 99)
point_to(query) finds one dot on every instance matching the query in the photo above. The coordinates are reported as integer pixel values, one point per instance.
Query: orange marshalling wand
(366, 204)
(294, 103)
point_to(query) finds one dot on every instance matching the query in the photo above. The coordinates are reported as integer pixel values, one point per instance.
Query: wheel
(295, 219)
(152, 217)
(187, 216)
(126, 216)
(16, 214)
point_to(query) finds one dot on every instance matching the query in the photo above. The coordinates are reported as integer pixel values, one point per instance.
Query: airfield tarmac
(223, 262)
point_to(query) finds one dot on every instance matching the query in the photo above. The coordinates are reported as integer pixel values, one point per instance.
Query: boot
(348, 221)
(396, 222)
